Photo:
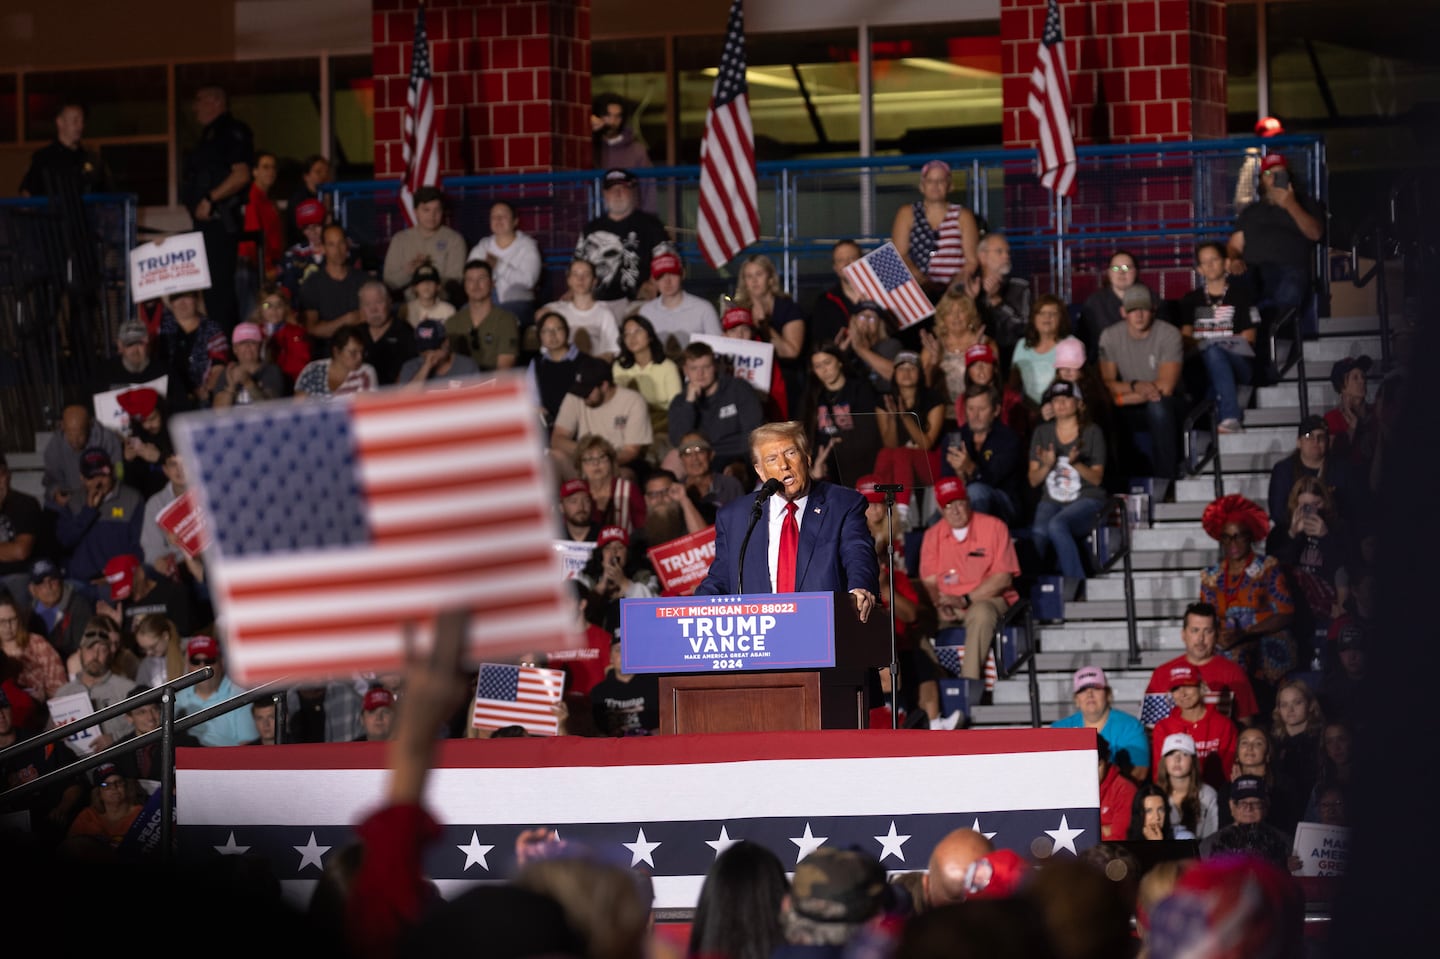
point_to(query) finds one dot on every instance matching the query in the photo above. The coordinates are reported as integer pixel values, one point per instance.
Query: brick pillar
(1141, 71)
(511, 82)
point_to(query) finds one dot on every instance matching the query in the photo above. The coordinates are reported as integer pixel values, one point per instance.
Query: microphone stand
(760, 497)
(890, 489)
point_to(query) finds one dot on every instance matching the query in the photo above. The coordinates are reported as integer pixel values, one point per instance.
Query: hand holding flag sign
(882, 276)
(336, 524)
(518, 696)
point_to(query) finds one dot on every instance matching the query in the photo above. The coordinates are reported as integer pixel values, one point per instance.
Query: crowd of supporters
(1011, 416)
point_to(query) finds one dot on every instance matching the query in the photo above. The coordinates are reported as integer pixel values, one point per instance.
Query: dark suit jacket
(836, 553)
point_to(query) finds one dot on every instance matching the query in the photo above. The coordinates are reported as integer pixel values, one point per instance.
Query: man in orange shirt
(967, 563)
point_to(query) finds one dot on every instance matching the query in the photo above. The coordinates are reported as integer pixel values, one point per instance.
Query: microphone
(771, 487)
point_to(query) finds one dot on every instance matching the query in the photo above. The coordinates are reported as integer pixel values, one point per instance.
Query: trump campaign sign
(682, 563)
(756, 631)
(176, 264)
(746, 359)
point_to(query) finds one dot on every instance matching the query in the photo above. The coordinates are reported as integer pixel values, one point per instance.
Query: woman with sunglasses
(1250, 594)
(115, 803)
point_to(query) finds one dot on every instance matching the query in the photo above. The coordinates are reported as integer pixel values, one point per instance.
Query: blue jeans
(1226, 370)
(1281, 286)
(1162, 421)
(991, 501)
(1061, 525)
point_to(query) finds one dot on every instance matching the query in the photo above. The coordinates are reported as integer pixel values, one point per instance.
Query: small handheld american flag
(518, 696)
(1155, 707)
(882, 276)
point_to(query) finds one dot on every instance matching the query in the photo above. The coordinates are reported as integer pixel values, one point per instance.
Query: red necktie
(789, 549)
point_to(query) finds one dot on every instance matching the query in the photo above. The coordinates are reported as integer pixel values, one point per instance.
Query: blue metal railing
(1156, 199)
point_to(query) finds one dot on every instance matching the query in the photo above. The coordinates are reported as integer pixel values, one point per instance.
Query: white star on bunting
(230, 849)
(721, 844)
(641, 850)
(311, 854)
(808, 843)
(1064, 837)
(890, 844)
(475, 852)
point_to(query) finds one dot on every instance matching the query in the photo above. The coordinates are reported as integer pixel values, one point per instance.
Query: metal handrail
(165, 694)
(1295, 359)
(1114, 507)
(1023, 611)
(165, 734)
(1382, 295)
(1211, 455)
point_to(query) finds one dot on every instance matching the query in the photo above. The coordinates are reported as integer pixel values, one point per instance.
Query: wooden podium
(775, 701)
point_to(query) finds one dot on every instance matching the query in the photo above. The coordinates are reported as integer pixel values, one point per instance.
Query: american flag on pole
(882, 276)
(729, 217)
(419, 149)
(1050, 103)
(518, 696)
(336, 524)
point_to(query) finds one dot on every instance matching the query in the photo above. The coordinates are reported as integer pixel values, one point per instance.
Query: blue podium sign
(706, 634)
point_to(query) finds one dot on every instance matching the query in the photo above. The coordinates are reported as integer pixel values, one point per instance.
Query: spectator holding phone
(1274, 243)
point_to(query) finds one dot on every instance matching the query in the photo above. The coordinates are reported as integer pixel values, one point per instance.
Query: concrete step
(1328, 349)
(1349, 325)
(1321, 394)
(1172, 536)
(1111, 659)
(1114, 609)
(1178, 560)
(1017, 715)
(1077, 639)
(1201, 489)
(1276, 440)
(1184, 511)
(1148, 585)
(31, 481)
(1286, 416)
(1235, 462)
(1055, 688)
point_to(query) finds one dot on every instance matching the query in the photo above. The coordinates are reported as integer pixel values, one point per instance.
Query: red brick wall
(1141, 71)
(511, 82)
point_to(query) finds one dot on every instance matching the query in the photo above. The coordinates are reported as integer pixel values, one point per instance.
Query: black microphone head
(771, 487)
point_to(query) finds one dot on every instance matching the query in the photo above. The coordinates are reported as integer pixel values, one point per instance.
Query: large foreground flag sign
(334, 525)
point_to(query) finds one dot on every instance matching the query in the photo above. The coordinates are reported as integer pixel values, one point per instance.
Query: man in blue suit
(831, 551)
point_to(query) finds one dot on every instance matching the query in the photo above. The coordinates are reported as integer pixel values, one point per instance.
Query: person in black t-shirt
(625, 704)
(620, 243)
(64, 161)
(1218, 326)
(389, 343)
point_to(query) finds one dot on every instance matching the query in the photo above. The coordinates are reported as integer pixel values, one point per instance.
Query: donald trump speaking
(809, 535)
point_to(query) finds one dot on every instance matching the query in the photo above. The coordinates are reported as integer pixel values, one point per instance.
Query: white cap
(1184, 742)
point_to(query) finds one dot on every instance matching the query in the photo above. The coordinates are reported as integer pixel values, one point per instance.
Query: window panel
(124, 102)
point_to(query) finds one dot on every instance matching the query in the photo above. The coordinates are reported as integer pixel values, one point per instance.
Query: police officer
(213, 189)
(64, 160)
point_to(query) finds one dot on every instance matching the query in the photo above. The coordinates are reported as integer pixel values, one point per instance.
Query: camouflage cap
(838, 885)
